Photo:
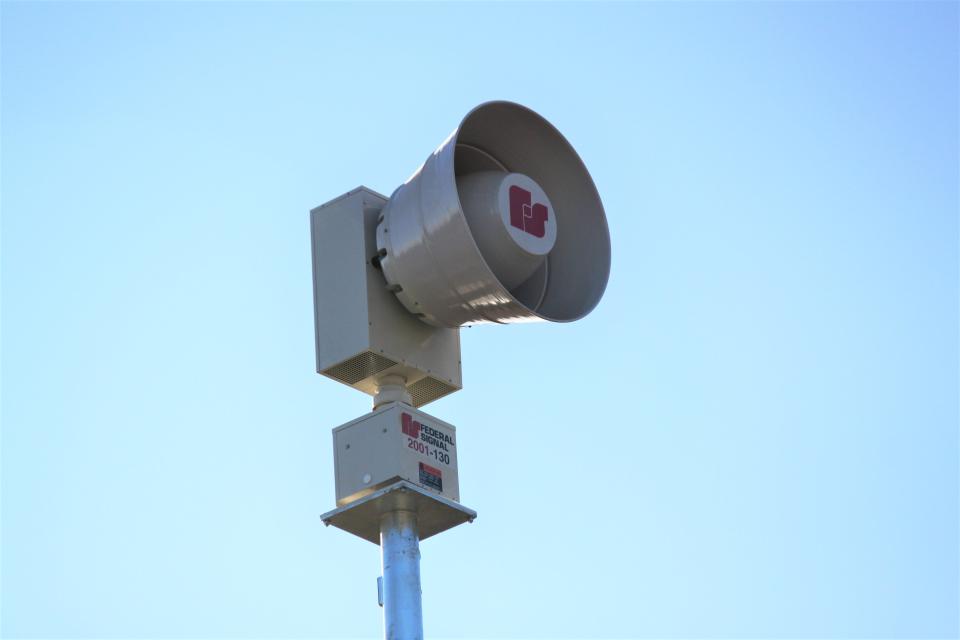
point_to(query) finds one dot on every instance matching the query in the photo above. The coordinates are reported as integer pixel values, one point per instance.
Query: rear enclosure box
(362, 331)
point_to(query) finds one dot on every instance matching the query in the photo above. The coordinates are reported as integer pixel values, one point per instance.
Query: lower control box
(393, 443)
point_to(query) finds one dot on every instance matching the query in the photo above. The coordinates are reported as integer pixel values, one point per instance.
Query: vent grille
(428, 389)
(359, 367)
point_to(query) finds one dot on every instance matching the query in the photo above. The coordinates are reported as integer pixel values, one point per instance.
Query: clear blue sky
(754, 435)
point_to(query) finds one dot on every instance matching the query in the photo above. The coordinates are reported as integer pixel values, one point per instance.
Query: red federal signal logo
(409, 426)
(527, 215)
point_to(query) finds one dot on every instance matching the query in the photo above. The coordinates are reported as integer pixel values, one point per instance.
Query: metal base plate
(435, 514)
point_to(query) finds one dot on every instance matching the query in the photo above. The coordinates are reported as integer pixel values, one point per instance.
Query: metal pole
(400, 548)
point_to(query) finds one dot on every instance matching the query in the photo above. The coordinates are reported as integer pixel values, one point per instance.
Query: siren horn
(502, 223)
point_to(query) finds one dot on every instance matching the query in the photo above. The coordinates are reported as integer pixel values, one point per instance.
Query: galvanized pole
(400, 549)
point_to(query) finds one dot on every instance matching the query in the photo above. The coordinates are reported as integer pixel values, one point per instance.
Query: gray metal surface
(362, 332)
(402, 596)
(435, 514)
(428, 252)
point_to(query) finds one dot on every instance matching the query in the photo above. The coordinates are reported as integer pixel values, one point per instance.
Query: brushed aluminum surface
(400, 556)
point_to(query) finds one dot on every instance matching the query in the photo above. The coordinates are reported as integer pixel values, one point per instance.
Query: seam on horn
(427, 242)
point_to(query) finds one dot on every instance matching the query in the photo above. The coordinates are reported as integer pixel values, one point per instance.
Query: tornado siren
(501, 224)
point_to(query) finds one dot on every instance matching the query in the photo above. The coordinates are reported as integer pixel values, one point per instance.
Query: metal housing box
(396, 442)
(362, 331)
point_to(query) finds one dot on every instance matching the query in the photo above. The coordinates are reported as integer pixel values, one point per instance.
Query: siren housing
(502, 224)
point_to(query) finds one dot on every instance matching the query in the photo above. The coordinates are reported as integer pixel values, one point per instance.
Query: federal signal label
(433, 444)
